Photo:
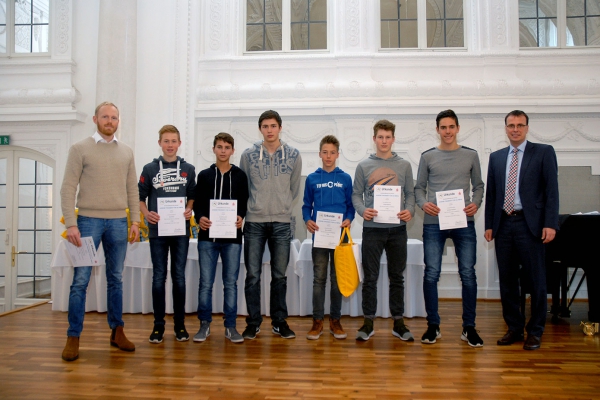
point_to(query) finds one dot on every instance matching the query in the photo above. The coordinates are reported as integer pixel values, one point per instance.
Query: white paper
(223, 216)
(85, 255)
(387, 201)
(451, 204)
(172, 220)
(328, 235)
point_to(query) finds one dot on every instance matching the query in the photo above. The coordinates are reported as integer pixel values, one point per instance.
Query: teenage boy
(167, 176)
(327, 189)
(273, 169)
(449, 166)
(384, 167)
(223, 181)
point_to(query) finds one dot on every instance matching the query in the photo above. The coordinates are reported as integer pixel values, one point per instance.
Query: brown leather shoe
(71, 351)
(118, 339)
(335, 328)
(316, 330)
(533, 342)
(510, 338)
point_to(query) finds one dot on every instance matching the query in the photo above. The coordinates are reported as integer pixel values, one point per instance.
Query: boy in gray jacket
(384, 168)
(273, 169)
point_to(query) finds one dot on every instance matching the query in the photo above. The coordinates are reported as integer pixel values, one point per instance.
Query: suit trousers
(517, 248)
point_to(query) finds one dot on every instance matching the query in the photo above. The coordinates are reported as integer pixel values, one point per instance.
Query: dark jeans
(465, 244)
(393, 241)
(516, 246)
(159, 252)
(322, 258)
(277, 235)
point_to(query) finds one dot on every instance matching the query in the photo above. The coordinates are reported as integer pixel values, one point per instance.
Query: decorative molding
(62, 26)
(352, 22)
(215, 34)
(499, 22)
(39, 96)
(572, 132)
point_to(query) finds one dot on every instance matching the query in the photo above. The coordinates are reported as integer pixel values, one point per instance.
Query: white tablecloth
(414, 303)
(137, 282)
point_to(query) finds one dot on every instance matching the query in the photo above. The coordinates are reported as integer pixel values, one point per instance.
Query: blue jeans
(393, 241)
(321, 259)
(208, 253)
(159, 252)
(113, 234)
(465, 244)
(277, 235)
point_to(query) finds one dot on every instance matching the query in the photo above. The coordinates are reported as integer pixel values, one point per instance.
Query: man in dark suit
(521, 214)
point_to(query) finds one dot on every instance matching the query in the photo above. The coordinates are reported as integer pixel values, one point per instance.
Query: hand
(187, 213)
(152, 217)
(369, 214)
(405, 215)
(238, 222)
(470, 210)
(346, 223)
(488, 235)
(431, 209)
(312, 226)
(134, 233)
(73, 235)
(548, 235)
(204, 223)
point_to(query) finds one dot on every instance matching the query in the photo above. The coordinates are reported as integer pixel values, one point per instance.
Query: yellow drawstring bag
(345, 265)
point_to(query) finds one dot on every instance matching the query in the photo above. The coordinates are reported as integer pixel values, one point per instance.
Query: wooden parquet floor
(567, 366)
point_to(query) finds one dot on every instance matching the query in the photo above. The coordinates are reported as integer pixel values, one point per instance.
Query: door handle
(14, 253)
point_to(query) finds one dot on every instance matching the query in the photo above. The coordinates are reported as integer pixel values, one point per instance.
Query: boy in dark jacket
(167, 176)
(222, 181)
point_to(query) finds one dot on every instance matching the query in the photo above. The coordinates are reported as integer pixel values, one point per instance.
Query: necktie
(511, 183)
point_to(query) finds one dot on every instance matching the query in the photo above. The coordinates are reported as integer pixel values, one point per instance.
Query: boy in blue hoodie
(327, 189)
(167, 176)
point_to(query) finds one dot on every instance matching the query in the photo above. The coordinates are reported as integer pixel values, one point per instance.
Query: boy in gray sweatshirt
(385, 168)
(273, 169)
(449, 167)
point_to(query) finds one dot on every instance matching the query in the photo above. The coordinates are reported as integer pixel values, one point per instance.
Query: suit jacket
(538, 188)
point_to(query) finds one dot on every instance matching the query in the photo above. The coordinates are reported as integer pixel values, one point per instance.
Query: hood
(258, 146)
(394, 157)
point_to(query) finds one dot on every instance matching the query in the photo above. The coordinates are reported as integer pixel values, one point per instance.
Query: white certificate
(387, 201)
(451, 204)
(328, 235)
(223, 216)
(85, 255)
(172, 220)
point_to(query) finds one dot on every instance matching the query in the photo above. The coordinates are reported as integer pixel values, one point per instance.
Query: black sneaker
(471, 336)
(431, 334)
(401, 331)
(366, 331)
(282, 329)
(250, 332)
(157, 334)
(181, 334)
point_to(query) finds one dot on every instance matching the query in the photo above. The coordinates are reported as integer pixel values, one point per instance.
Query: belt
(514, 213)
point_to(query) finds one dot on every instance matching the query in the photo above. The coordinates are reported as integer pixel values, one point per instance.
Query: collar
(98, 138)
(520, 147)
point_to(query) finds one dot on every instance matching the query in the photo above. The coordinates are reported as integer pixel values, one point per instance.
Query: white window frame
(10, 34)
(422, 30)
(286, 32)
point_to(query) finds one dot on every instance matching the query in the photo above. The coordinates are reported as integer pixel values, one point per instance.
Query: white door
(26, 196)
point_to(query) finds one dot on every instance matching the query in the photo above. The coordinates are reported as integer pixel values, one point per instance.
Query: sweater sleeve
(358, 188)
(190, 190)
(307, 201)
(409, 190)
(476, 182)
(242, 194)
(68, 190)
(421, 185)
(144, 184)
(201, 197)
(350, 211)
(133, 194)
(295, 178)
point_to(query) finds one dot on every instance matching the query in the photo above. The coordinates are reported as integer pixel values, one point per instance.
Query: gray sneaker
(401, 331)
(233, 335)
(365, 331)
(203, 332)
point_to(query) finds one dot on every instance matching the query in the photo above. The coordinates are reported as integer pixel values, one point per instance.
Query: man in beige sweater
(104, 170)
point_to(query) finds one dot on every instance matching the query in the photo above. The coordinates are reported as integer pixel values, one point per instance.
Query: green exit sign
(4, 140)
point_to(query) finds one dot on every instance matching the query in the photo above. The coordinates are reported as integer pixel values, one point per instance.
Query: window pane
(273, 11)
(3, 219)
(43, 218)
(26, 195)
(318, 10)
(408, 9)
(254, 11)
(389, 34)
(2, 195)
(2, 12)
(318, 35)
(254, 38)
(43, 242)
(454, 8)
(40, 39)
(575, 31)
(23, 39)
(528, 33)
(593, 31)
(41, 11)
(25, 264)
(23, 12)
(388, 10)
(25, 241)
(547, 8)
(2, 170)
(44, 173)
(26, 216)
(299, 36)
(527, 9)
(43, 196)
(575, 8)
(26, 170)
(42, 264)
(299, 10)
(435, 33)
(455, 33)
(547, 32)
(408, 34)
(273, 38)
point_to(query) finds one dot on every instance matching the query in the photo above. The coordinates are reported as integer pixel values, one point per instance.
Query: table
(414, 302)
(137, 282)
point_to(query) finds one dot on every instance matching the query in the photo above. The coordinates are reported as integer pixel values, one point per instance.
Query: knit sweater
(107, 181)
